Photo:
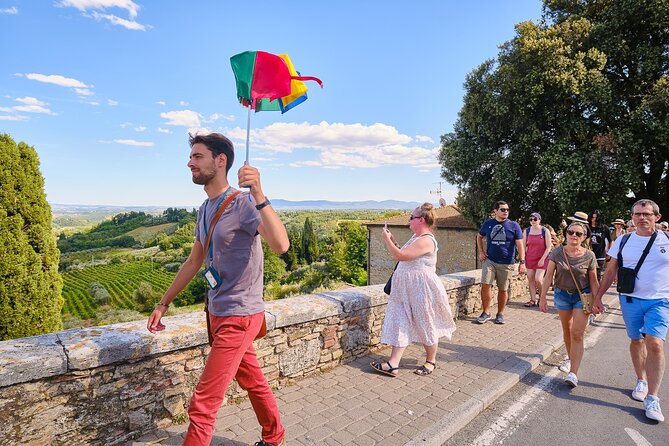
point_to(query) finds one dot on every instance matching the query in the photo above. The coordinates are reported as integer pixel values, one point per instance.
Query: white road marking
(512, 417)
(517, 412)
(638, 439)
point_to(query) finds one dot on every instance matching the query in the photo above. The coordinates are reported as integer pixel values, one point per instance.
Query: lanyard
(204, 222)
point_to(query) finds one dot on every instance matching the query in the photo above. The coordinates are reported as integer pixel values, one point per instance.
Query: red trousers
(232, 356)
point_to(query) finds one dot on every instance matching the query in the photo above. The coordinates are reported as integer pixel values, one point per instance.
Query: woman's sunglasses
(576, 233)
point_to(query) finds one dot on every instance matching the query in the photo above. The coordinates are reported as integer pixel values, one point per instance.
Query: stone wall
(106, 385)
(457, 251)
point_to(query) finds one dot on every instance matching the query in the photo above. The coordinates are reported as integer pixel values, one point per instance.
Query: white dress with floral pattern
(418, 311)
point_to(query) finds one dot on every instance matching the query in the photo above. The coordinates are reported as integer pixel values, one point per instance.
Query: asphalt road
(543, 410)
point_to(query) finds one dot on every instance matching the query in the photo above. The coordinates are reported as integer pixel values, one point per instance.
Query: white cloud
(115, 20)
(83, 91)
(85, 5)
(96, 6)
(132, 142)
(126, 124)
(13, 118)
(160, 102)
(162, 130)
(11, 11)
(184, 118)
(140, 129)
(28, 100)
(28, 105)
(183, 103)
(56, 79)
(341, 145)
(423, 138)
(112, 103)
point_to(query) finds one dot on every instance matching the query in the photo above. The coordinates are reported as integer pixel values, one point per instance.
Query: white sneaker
(572, 380)
(652, 406)
(641, 390)
(566, 366)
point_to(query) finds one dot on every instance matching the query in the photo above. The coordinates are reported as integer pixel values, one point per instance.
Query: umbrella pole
(248, 132)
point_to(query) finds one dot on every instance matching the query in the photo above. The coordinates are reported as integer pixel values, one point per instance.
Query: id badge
(212, 277)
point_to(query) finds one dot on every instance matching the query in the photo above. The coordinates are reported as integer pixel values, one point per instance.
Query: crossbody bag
(586, 298)
(210, 336)
(627, 276)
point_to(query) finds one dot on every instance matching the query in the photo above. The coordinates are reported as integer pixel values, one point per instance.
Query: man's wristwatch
(263, 204)
(522, 262)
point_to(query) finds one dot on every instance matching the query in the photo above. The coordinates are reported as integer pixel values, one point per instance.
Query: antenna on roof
(442, 202)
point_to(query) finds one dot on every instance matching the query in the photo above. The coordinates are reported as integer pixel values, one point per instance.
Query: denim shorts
(565, 300)
(645, 317)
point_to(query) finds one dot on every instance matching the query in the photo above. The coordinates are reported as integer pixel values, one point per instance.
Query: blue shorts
(645, 317)
(564, 300)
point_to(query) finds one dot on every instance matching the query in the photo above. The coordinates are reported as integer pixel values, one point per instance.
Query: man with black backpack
(640, 262)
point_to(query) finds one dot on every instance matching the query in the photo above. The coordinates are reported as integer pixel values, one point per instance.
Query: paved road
(541, 409)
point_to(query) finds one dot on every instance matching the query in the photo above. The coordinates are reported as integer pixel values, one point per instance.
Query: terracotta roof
(448, 216)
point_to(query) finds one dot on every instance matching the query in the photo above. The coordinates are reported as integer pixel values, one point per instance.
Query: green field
(120, 280)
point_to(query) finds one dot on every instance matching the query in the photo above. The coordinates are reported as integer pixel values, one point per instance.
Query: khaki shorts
(499, 273)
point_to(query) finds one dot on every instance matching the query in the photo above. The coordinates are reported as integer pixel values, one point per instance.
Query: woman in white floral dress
(418, 311)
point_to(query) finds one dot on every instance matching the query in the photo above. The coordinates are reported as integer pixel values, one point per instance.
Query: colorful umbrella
(267, 82)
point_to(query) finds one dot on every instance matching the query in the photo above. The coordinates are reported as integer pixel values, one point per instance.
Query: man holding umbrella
(234, 271)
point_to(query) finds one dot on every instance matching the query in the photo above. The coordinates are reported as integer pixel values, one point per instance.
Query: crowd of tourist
(579, 263)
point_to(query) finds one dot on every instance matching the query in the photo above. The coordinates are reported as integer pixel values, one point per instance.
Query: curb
(454, 421)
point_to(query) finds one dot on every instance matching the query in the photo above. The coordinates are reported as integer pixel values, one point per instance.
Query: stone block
(300, 309)
(19, 357)
(299, 358)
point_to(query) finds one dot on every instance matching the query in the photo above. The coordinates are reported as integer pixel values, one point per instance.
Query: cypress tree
(30, 286)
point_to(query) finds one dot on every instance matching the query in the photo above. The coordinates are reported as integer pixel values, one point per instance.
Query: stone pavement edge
(353, 405)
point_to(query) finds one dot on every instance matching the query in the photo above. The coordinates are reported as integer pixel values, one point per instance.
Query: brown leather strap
(215, 220)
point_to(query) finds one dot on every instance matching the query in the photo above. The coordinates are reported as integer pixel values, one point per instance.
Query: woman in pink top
(537, 241)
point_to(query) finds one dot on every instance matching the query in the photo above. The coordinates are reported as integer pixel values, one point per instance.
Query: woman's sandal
(424, 371)
(378, 366)
(532, 303)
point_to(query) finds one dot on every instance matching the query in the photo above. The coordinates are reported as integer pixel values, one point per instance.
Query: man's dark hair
(499, 203)
(217, 144)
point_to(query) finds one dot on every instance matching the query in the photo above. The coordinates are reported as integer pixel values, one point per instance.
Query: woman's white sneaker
(640, 391)
(565, 366)
(571, 380)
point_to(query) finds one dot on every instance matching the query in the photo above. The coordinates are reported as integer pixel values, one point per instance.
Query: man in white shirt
(645, 304)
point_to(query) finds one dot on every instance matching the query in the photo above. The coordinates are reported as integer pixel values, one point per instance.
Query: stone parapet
(106, 385)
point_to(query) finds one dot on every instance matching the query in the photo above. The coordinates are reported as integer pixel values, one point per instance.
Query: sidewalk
(352, 405)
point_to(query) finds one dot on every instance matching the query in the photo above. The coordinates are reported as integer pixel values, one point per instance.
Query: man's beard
(204, 177)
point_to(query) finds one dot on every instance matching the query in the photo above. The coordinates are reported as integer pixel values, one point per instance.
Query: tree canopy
(572, 115)
(30, 286)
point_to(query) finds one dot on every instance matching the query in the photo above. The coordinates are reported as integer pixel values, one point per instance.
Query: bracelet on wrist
(162, 305)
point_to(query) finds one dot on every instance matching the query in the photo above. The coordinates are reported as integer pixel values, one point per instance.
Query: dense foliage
(113, 232)
(572, 115)
(30, 286)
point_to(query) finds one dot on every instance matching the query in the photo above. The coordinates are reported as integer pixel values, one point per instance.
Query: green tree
(99, 293)
(274, 268)
(310, 248)
(347, 257)
(572, 115)
(145, 297)
(30, 286)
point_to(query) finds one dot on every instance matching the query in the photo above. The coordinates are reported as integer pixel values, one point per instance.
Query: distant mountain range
(278, 203)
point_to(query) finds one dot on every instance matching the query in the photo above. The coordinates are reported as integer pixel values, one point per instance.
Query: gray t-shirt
(235, 254)
(579, 266)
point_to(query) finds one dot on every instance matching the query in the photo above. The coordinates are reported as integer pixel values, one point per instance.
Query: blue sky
(107, 91)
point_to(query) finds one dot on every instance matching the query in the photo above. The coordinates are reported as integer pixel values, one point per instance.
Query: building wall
(457, 251)
(107, 385)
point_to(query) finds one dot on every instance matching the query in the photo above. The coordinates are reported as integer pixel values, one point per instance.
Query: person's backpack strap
(620, 250)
